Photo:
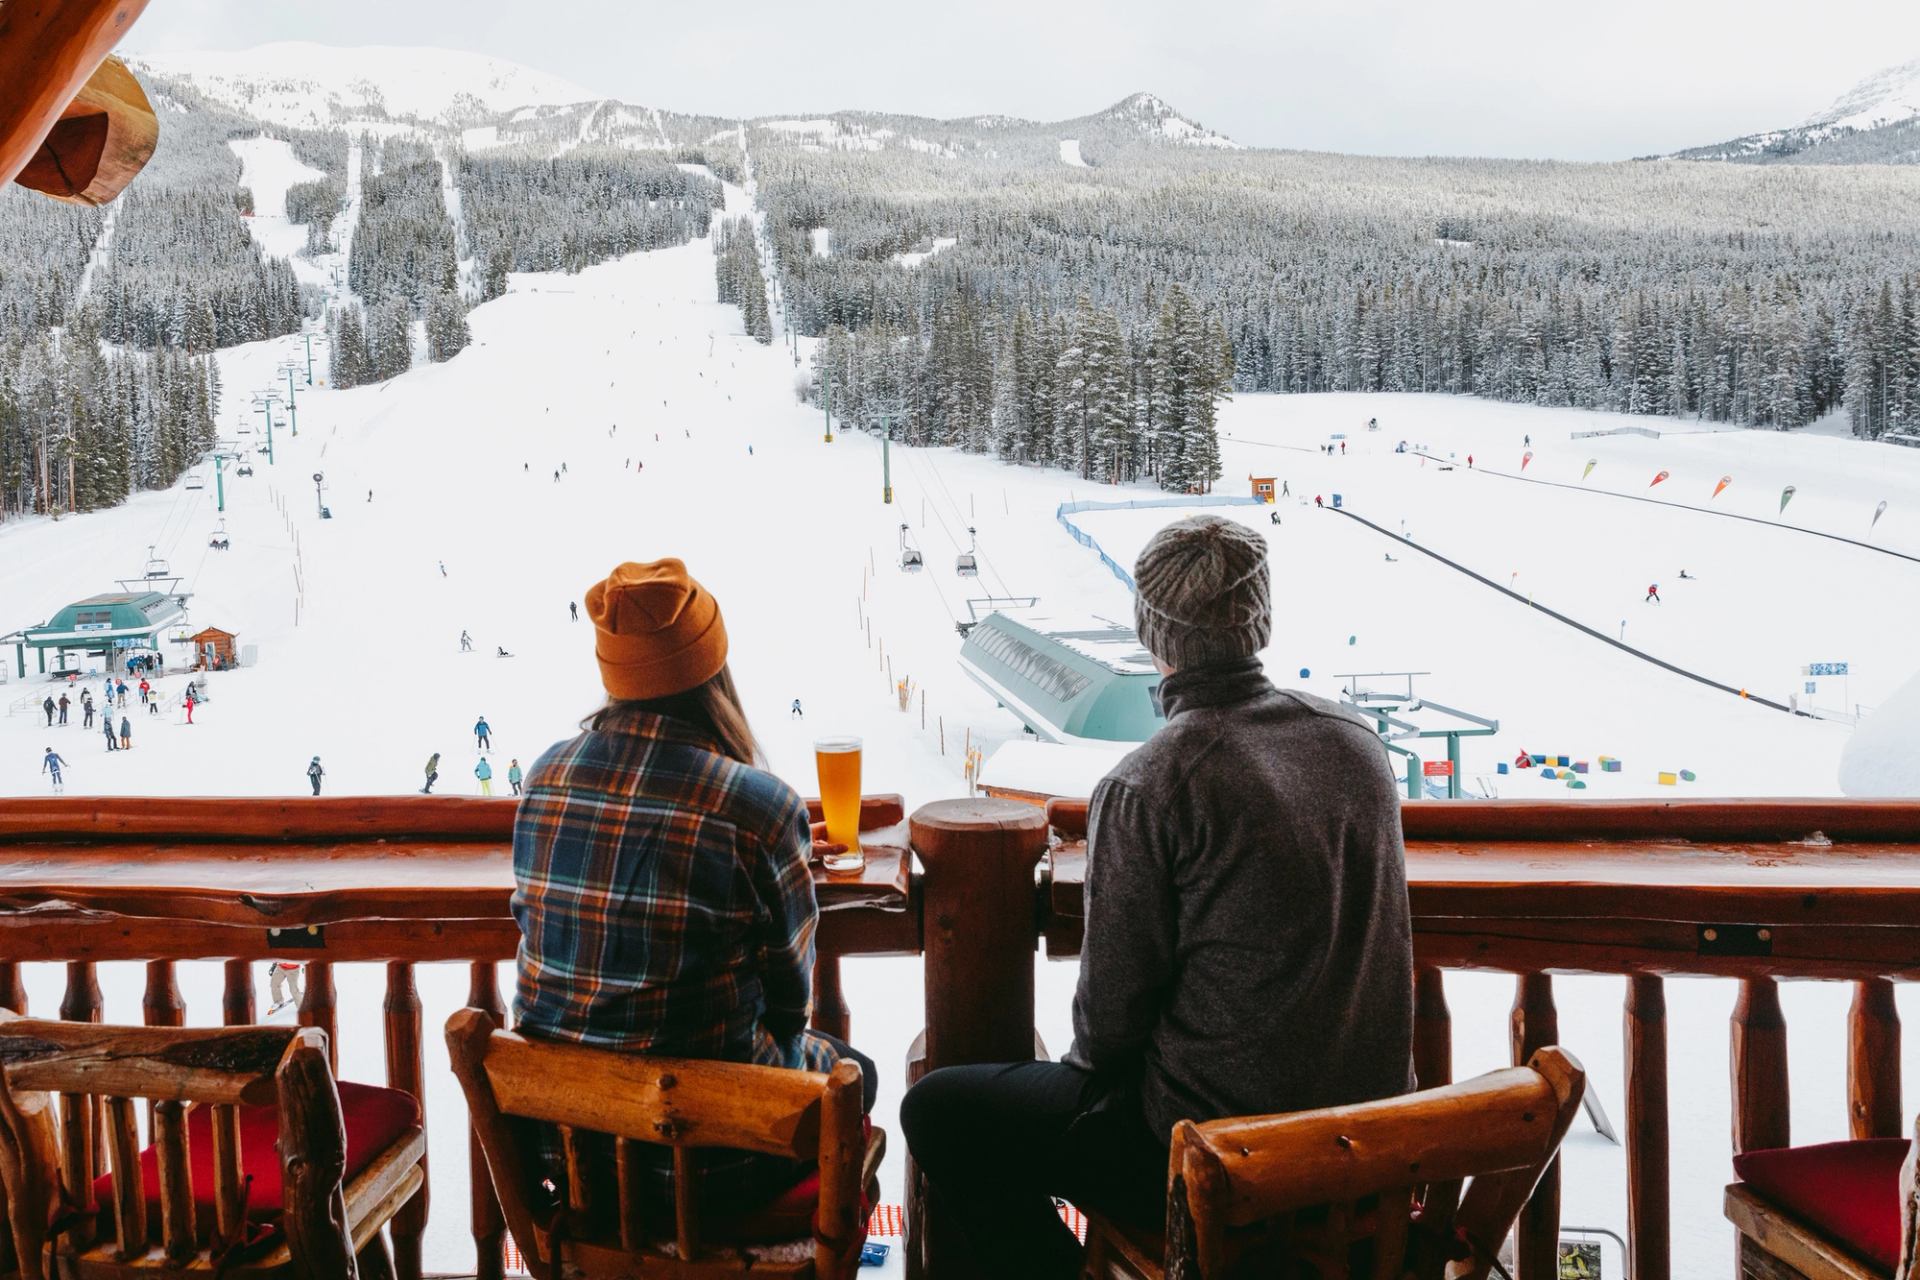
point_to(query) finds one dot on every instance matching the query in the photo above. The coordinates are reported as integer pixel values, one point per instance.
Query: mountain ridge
(1876, 121)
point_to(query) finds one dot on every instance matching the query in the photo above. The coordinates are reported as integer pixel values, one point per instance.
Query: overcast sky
(1548, 78)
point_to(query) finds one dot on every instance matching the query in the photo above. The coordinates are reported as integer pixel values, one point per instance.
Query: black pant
(997, 1143)
(316, 784)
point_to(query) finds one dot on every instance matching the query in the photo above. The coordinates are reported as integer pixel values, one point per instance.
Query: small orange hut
(213, 650)
(1262, 487)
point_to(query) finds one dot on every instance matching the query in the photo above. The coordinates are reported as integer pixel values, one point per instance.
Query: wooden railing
(1755, 891)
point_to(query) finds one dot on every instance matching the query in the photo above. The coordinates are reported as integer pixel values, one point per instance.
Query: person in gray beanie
(1248, 945)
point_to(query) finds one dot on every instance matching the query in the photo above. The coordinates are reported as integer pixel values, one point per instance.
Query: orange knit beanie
(656, 631)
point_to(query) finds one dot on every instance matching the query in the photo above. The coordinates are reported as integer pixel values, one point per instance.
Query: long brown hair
(713, 707)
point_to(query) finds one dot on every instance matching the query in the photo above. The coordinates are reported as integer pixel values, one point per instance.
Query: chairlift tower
(263, 402)
(1388, 709)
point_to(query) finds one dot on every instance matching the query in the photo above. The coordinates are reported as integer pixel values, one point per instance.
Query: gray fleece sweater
(1248, 948)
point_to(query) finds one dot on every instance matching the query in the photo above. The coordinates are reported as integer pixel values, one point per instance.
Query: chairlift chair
(910, 558)
(965, 564)
(156, 567)
(195, 480)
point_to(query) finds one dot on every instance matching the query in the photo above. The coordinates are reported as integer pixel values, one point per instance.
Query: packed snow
(484, 494)
(1070, 153)
(939, 244)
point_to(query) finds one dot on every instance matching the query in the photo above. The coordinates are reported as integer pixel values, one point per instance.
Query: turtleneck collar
(1217, 684)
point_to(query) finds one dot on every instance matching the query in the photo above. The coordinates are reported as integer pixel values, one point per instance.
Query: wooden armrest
(875, 1153)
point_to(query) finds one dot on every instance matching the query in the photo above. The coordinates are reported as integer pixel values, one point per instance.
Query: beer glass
(838, 760)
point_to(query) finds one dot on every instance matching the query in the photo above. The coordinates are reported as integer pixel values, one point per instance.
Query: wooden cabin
(1264, 487)
(214, 650)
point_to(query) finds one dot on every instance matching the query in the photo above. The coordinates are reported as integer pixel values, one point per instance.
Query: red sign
(1437, 768)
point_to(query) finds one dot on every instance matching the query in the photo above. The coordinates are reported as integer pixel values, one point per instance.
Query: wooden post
(489, 1226)
(978, 931)
(1873, 1062)
(313, 1146)
(1759, 1063)
(161, 1004)
(317, 1008)
(236, 1000)
(50, 53)
(406, 1070)
(1649, 1198)
(13, 995)
(830, 1012)
(1432, 1029)
(1535, 1024)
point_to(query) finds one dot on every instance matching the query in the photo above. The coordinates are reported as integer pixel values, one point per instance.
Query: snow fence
(1085, 539)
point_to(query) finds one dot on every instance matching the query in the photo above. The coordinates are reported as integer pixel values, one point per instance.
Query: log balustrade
(1756, 891)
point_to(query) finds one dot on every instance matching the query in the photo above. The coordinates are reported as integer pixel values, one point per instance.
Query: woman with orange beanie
(661, 882)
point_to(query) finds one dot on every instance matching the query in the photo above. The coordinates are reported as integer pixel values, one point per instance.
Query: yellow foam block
(1669, 779)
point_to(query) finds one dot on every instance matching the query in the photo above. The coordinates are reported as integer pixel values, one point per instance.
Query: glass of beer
(838, 760)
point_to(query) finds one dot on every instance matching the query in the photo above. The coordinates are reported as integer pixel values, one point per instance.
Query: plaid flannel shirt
(664, 900)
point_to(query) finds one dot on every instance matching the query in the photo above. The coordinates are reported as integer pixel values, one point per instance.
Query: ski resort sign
(1826, 668)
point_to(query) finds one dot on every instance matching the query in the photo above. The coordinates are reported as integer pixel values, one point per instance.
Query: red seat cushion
(1849, 1191)
(788, 1215)
(375, 1118)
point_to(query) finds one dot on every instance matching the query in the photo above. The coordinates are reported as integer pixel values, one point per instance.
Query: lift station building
(1070, 682)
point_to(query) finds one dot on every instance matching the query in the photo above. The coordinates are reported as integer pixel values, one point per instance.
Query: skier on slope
(113, 742)
(573, 609)
(443, 568)
(1317, 502)
(126, 734)
(52, 763)
(466, 642)
(1653, 594)
(283, 984)
(48, 707)
(482, 734)
(484, 772)
(796, 713)
(315, 773)
(514, 775)
(433, 773)
(65, 702)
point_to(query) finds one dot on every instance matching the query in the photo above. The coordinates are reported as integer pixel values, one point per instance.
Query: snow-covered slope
(303, 85)
(1876, 121)
(1153, 117)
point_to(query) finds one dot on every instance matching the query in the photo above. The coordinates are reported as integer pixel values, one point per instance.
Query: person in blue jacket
(482, 735)
(484, 772)
(51, 763)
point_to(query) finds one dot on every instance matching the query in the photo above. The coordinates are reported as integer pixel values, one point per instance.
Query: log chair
(1310, 1193)
(74, 123)
(607, 1105)
(1836, 1211)
(261, 1165)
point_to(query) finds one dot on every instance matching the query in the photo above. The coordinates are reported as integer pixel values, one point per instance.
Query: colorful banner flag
(1591, 464)
(1657, 479)
(1724, 482)
(1877, 513)
(1525, 458)
(1786, 496)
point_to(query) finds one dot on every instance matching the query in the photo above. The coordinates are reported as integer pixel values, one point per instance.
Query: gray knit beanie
(1201, 593)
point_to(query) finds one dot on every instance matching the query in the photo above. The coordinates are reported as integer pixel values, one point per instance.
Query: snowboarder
(573, 609)
(47, 706)
(113, 743)
(466, 643)
(64, 704)
(1687, 577)
(433, 773)
(1653, 594)
(483, 733)
(52, 763)
(484, 772)
(796, 713)
(499, 651)
(315, 773)
(126, 734)
(283, 982)
(1390, 559)
(514, 775)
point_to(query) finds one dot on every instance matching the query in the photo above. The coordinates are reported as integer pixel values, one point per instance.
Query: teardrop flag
(1591, 464)
(1724, 482)
(1657, 479)
(1786, 496)
(1878, 512)
(1525, 458)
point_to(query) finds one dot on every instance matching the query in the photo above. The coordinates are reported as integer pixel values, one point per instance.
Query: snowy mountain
(305, 85)
(1875, 122)
(1156, 119)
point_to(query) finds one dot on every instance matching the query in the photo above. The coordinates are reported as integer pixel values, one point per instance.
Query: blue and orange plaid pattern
(664, 900)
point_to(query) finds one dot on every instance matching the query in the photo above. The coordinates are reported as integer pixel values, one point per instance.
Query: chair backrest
(1264, 1192)
(606, 1104)
(50, 1156)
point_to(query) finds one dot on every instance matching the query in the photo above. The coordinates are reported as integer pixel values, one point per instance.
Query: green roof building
(99, 625)
(1070, 682)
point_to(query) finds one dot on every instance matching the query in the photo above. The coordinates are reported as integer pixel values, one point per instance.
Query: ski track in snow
(1070, 153)
(800, 551)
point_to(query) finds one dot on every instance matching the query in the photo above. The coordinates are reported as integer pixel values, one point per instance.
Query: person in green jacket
(433, 773)
(513, 776)
(484, 772)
